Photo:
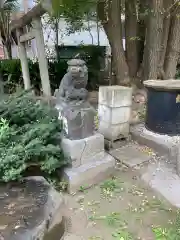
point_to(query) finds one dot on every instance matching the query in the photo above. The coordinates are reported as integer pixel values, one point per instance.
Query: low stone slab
(162, 144)
(30, 210)
(99, 168)
(164, 180)
(131, 155)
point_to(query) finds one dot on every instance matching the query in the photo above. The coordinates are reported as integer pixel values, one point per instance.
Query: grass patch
(113, 219)
(122, 235)
(169, 233)
(110, 187)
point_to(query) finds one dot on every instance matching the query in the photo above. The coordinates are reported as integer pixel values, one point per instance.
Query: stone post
(24, 61)
(114, 112)
(43, 65)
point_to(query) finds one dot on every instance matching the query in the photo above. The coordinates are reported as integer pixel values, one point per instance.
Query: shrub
(29, 135)
(177, 76)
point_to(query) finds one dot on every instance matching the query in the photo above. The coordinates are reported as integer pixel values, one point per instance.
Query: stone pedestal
(77, 117)
(90, 163)
(114, 112)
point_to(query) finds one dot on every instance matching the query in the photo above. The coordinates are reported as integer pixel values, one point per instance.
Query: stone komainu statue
(73, 85)
(75, 111)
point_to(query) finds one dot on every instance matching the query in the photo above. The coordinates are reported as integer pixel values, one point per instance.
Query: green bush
(29, 136)
(12, 76)
(177, 76)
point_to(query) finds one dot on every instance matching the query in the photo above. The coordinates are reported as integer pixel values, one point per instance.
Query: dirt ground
(120, 208)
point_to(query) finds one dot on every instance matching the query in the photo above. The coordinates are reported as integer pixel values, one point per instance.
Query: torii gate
(33, 17)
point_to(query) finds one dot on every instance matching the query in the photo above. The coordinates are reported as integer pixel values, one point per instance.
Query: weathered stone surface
(114, 115)
(131, 155)
(113, 132)
(76, 220)
(163, 144)
(73, 150)
(90, 173)
(114, 112)
(115, 96)
(81, 151)
(30, 210)
(77, 118)
(163, 179)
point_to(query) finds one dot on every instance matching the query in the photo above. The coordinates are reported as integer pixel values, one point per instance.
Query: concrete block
(90, 173)
(81, 151)
(113, 132)
(115, 96)
(114, 115)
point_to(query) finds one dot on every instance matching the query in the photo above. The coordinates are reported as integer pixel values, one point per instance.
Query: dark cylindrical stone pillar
(163, 106)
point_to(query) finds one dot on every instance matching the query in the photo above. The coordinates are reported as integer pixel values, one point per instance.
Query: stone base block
(82, 151)
(114, 132)
(90, 173)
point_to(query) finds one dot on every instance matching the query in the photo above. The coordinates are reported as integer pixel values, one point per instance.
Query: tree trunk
(109, 12)
(98, 31)
(166, 27)
(153, 39)
(132, 38)
(173, 46)
(142, 24)
(89, 30)
(56, 26)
